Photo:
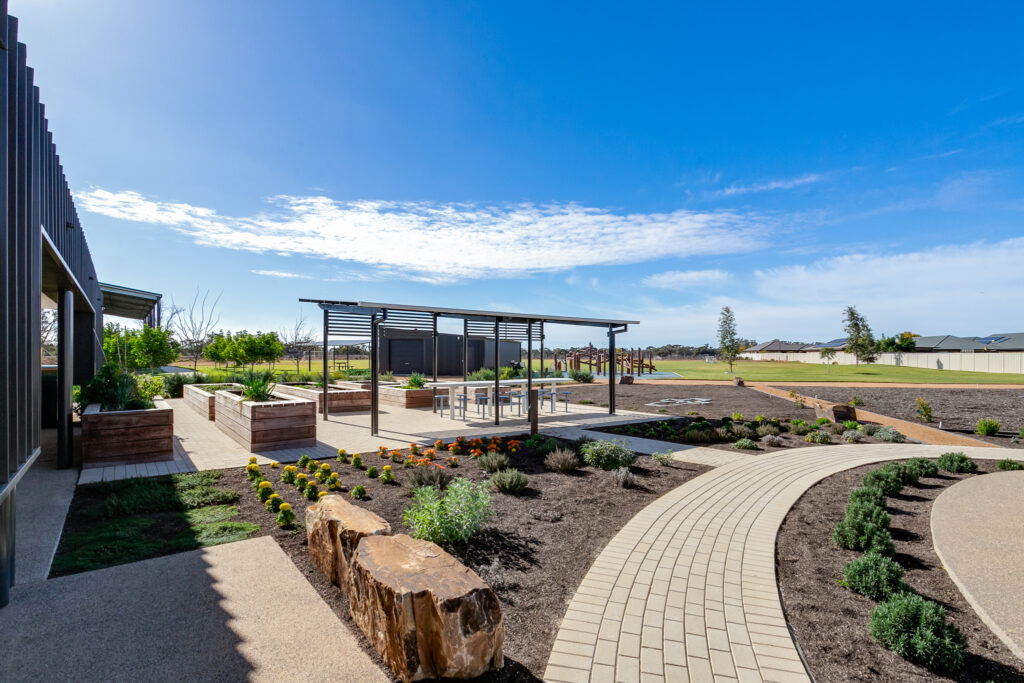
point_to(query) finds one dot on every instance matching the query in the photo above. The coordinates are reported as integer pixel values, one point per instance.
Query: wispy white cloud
(686, 279)
(1008, 120)
(770, 185)
(282, 274)
(445, 242)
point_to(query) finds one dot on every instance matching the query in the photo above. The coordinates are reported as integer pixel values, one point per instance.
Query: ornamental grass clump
(1009, 465)
(851, 424)
(875, 576)
(773, 441)
(957, 463)
(923, 467)
(510, 481)
(285, 516)
(741, 431)
(450, 517)
(917, 630)
(607, 455)
(988, 427)
(818, 436)
(562, 460)
(800, 429)
(429, 476)
(745, 445)
(768, 430)
(493, 462)
(624, 478)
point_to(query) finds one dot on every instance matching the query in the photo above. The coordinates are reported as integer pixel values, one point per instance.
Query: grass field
(777, 371)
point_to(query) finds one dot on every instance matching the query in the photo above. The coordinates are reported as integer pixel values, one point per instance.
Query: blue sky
(652, 162)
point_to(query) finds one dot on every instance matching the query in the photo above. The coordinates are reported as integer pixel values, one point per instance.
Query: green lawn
(777, 371)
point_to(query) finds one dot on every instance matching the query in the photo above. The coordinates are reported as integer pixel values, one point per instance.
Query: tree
(218, 348)
(828, 354)
(297, 340)
(728, 342)
(150, 347)
(48, 331)
(904, 343)
(195, 323)
(859, 340)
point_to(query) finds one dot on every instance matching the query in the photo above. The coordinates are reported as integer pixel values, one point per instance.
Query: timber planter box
(127, 436)
(286, 422)
(201, 399)
(340, 400)
(407, 398)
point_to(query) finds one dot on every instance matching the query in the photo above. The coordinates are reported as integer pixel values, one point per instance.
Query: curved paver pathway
(686, 591)
(976, 528)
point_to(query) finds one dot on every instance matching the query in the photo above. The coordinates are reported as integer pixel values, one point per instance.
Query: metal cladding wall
(404, 352)
(38, 224)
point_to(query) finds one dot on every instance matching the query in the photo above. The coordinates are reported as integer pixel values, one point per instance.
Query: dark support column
(465, 350)
(7, 534)
(65, 370)
(542, 349)
(433, 344)
(611, 370)
(374, 381)
(530, 394)
(327, 374)
(497, 371)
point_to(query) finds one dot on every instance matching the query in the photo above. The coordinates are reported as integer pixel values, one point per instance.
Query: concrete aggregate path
(978, 532)
(686, 591)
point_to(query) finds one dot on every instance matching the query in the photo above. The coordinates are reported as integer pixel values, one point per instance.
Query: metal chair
(463, 402)
(566, 395)
(443, 400)
(544, 395)
(482, 401)
(517, 398)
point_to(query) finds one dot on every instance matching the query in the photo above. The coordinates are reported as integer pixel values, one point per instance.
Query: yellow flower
(387, 468)
(252, 460)
(322, 494)
(302, 475)
(341, 451)
(274, 495)
(274, 465)
(264, 484)
(285, 507)
(325, 467)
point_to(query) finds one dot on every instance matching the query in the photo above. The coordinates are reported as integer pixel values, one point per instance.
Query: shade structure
(137, 304)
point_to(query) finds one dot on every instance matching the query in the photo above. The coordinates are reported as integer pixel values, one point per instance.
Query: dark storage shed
(407, 351)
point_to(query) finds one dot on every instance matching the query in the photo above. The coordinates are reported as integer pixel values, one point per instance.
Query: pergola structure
(365, 319)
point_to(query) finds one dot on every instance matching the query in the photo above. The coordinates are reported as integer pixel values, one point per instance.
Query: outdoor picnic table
(452, 386)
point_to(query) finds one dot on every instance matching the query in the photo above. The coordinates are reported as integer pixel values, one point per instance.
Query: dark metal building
(406, 351)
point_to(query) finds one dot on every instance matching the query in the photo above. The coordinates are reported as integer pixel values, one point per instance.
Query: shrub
(867, 512)
(760, 418)
(800, 429)
(837, 428)
(288, 474)
(917, 630)
(663, 458)
(743, 431)
(737, 417)
(851, 424)
(578, 444)
(857, 534)
(429, 476)
(988, 427)
(562, 460)
(852, 436)
(768, 430)
(273, 503)
(875, 576)
(724, 434)
(698, 436)
(818, 437)
(311, 491)
(371, 473)
(149, 386)
(624, 478)
(358, 492)
(174, 384)
(608, 455)
(492, 462)
(856, 400)
(923, 467)
(263, 491)
(924, 410)
(773, 441)
(870, 429)
(333, 483)
(888, 482)
(449, 518)
(582, 376)
(745, 445)
(822, 421)
(957, 463)
(257, 385)
(509, 481)
(285, 516)
(416, 381)
(907, 475)
(889, 434)
(868, 494)
(1010, 465)
(386, 477)
(357, 461)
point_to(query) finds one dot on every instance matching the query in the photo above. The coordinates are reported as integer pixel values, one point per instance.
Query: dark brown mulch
(725, 400)
(831, 623)
(955, 409)
(534, 552)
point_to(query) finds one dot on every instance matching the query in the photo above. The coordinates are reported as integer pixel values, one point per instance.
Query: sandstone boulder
(334, 528)
(626, 379)
(426, 614)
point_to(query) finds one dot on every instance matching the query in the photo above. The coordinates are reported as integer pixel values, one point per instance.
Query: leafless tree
(297, 339)
(48, 331)
(195, 323)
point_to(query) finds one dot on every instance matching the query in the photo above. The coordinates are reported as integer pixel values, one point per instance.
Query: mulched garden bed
(831, 623)
(725, 400)
(957, 409)
(534, 552)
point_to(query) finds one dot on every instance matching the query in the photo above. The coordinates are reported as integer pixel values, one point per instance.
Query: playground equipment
(627, 361)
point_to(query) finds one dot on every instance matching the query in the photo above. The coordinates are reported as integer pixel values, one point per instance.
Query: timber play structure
(627, 361)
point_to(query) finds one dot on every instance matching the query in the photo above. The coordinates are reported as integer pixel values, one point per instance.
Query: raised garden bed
(202, 397)
(831, 623)
(127, 436)
(957, 410)
(285, 422)
(340, 400)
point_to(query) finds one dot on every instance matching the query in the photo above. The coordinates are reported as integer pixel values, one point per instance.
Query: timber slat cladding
(267, 426)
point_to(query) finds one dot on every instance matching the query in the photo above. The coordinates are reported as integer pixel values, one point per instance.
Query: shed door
(406, 356)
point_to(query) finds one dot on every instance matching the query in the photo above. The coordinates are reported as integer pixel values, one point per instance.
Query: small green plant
(303, 461)
(1010, 465)
(582, 376)
(888, 482)
(285, 516)
(924, 409)
(742, 431)
(264, 491)
(451, 517)
(797, 421)
(737, 417)
(288, 474)
(772, 441)
(358, 492)
(416, 381)
(371, 473)
(868, 513)
(768, 430)
(429, 476)
(822, 421)
(957, 463)
(607, 455)
(745, 445)
(875, 576)
(917, 630)
(357, 461)
(923, 467)
(386, 477)
(818, 436)
(856, 400)
(871, 495)
(889, 434)
(311, 492)
(273, 503)
(342, 455)
(493, 462)
(858, 534)
(852, 436)
(800, 430)
(988, 427)
(663, 458)
(510, 481)
(257, 385)
(851, 424)
(562, 460)
(760, 418)
(624, 478)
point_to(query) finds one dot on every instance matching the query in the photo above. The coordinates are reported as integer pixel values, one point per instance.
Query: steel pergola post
(433, 390)
(611, 370)
(497, 371)
(374, 380)
(326, 373)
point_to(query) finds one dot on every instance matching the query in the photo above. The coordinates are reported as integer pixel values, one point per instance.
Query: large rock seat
(334, 528)
(426, 614)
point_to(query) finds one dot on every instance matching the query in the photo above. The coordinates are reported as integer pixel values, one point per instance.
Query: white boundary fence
(1004, 361)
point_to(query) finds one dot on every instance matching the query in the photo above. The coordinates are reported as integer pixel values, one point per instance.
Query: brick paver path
(686, 591)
